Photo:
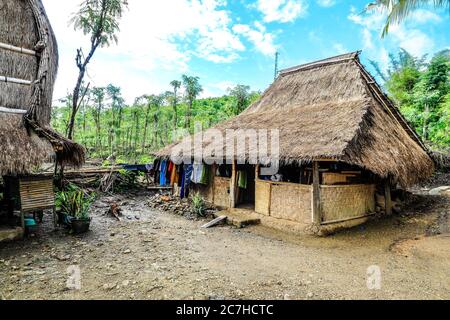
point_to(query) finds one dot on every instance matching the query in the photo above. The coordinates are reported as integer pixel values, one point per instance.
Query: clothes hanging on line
(242, 179)
(169, 172)
(156, 166)
(163, 172)
(205, 175)
(197, 173)
(186, 180)
(173, 175)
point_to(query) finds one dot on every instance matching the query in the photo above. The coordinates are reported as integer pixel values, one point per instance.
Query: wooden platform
(239, 217)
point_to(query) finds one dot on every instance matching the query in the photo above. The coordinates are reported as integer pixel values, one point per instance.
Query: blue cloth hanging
(162, 176)
(186, 180)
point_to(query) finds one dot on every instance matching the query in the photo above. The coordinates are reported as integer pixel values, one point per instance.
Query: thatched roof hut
(333, 109)
(29, 63)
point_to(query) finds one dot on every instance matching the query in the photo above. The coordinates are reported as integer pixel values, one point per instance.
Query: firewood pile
(103, 179)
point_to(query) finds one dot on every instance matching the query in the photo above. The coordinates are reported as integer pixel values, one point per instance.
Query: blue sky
(234, 42)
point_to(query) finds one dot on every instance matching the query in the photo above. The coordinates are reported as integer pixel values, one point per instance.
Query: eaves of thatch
(28, 51)
(333, 109)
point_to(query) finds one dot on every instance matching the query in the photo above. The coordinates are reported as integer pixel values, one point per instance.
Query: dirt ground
(159, 255)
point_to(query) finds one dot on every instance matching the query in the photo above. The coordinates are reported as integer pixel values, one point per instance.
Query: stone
(440, 191)
(109, 286)
(63, 258)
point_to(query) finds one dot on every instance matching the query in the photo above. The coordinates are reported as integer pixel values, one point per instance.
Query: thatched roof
(333, 109)
(24, 24)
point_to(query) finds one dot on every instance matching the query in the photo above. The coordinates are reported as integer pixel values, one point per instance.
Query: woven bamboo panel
(36, 194)
(341, 202)
(262, 195)
(291, 202)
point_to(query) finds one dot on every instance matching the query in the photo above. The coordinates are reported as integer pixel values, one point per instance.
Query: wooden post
(317, 208)
(213, 182)
(388, 196)
(233, 185)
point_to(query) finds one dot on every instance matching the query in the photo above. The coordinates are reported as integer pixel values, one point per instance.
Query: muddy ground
(159, 255)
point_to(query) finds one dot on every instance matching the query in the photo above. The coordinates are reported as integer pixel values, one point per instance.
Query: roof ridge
(319, 63)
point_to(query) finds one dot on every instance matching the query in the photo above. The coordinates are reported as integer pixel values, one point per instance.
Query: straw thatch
(333, 110)
(24, 24)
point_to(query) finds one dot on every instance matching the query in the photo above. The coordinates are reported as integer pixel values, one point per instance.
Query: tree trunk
(75, 98)
(188, 115)
(76, 91)
(144, 138)
(426, 115)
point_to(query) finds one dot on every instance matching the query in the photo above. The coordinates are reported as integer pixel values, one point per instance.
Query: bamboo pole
(10, 47)
(233, 184)
(14, 80)
(317, 207)
(13, 111)
(388, 196)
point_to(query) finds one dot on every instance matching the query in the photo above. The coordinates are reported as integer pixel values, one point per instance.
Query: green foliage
(198, 205)
(107, 126)
(99, 19)
(241, 97)
(422, 91)
(75, 202)
(127, 180)
(192, 89)
(399, 10)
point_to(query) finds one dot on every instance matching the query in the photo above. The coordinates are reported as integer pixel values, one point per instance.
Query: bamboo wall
(280, 202)
(350, 201)
(287, 201)
(293, 202)
(221, 191)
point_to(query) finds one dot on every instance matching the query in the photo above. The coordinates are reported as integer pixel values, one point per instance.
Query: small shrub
(74, 202)
(198, 205)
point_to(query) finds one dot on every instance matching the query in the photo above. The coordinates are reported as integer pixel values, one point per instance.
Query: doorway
(246, 187)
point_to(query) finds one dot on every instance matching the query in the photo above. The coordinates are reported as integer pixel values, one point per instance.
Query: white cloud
(373, 21)
(261, 39)
(157, 41)
(367, 39)
(339, 48)
(326, 3)
(414, 41)
(424, 16)
(406, 35)
(282, 10)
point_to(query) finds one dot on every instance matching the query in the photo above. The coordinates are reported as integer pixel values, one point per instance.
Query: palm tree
(176, 86)
(398, 10)
(193, 89)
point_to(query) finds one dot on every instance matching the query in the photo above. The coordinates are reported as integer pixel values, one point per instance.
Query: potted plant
(74, 206)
